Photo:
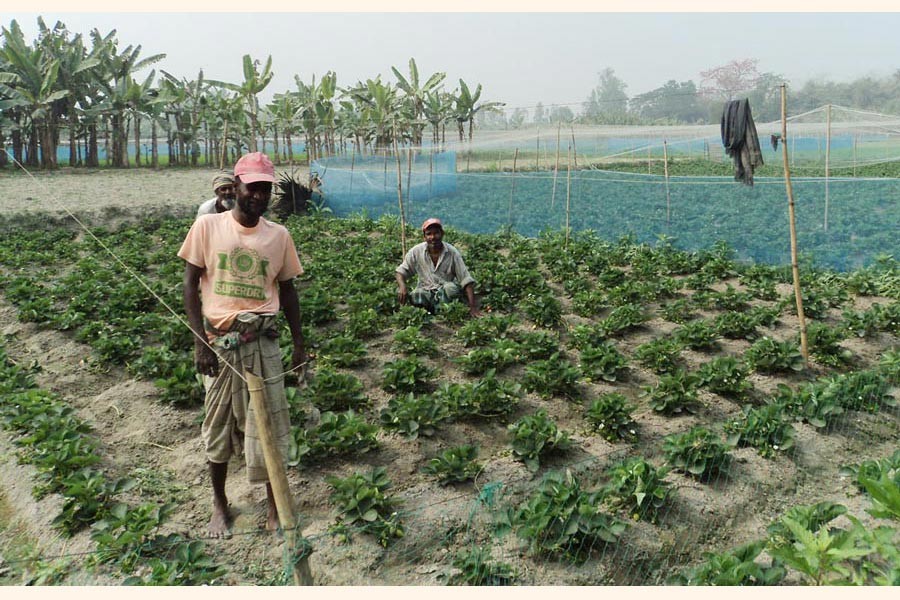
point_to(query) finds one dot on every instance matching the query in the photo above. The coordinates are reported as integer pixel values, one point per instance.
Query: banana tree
(438, 109)
(467, 106)
(416, 95)
(254, 83)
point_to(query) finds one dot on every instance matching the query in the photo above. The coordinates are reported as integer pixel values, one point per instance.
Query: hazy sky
(519, 58)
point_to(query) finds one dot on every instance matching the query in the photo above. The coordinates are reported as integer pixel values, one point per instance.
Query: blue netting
(863, 214)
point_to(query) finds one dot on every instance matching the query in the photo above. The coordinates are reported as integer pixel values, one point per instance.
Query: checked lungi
(229, 426)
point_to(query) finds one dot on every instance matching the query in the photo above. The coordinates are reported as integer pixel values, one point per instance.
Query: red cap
(253, 167)
(432, 221)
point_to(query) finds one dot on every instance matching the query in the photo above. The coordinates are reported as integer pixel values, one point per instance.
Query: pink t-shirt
(243, 265)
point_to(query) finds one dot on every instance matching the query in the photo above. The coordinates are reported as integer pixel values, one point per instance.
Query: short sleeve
(192, 247)
(291, 266)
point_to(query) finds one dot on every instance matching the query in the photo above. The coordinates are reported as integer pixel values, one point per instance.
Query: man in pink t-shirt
(238, 274)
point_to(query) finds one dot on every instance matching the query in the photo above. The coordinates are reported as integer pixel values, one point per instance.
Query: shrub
(329, 389)
(364, 505)
(337, 434)
(602, 362)
(769, 356)
(414, 415)
(736, 325)
(554, 376)
(675, 393)
(637, 487)
(454, 465)
(732, 568)
(476, 567)
(764, 428)
(342, 351)
(410, 341)
(662, 355)
(407, 375)
(725, 375)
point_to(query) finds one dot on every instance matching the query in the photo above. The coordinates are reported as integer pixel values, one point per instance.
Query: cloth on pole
(741, 140)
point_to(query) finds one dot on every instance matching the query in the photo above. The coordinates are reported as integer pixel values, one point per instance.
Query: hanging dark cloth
(740, 139)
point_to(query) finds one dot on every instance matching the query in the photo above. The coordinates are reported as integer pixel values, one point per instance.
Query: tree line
(63, 85)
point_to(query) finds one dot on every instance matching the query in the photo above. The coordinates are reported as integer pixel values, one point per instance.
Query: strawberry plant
(813, 403)
(726, 376)
(499, 355)
(453, 313)
(487, 397)
(636, 486)
(537, 344)
(864, 323)
(765, 428)
(589, 303)
(610, 416)
(410, 316)
(483, 331)
(824, 344)
(674, 393)
(182, 385)
(698, 452)
(765, 316)
(824, 555)
(407, 375)
(874, 469)
(477, 567)
(662, 355)
(189, 566)
(534, 436)
(889, 365)
(337, 434)
(543, 309)
(860, 390)
(621, 319)
(410, 341)
(555, 376)
(885, 494)
(454, 465)
(736, 325)
(316, 305)
(364, 323)
(329, 389)
(678, 311)
(342, 351)
(602, 362)
(364, 505)
(414, 415)
(586, 336)
(130, 535)
(560, 518)
(697, 335)
(770, 356)
(732, 568)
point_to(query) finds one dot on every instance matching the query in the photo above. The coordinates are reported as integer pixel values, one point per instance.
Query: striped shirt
(449, 267)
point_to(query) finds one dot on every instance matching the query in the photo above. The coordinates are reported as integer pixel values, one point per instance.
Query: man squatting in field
(442, 274)
(223, 186)
(242, 266)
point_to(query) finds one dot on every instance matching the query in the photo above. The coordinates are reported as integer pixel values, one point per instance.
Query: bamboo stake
(352, 164)
(855, 144)
(400, 198)
(224, 146)
(555, 169)
(430, 171)
(574, 150)
(666, 172)
(568, 189)
(827, 159)
(408, 179)
(277, 477)
(512, 190)
(795, 268)
(537, 154)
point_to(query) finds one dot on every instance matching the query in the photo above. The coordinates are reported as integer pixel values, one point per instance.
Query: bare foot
(220, 523)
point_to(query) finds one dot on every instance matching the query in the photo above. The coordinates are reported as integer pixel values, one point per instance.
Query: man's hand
(205, 360)
(401, 293)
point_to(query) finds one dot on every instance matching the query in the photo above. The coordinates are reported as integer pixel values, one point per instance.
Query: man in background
(223, 186)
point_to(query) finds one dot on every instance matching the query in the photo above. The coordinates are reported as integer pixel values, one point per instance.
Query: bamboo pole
(556, 168)
(666, 172)
(409, 179)
(568, 191)
(224, 146)
(512, 190)
(277, 478)
(352, 164)
(649, 156)
(855, 144)
(827, 159)
(400, 198)
(795, 268)
(574, 149)
(537, 153)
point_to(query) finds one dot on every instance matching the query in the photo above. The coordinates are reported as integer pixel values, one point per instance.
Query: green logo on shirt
(243, 263)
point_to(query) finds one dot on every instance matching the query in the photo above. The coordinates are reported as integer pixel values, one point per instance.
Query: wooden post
(400, 198)
(855, 144)
(537, 154)
(277, 477)
(555, 169)
(512, 190)
(408, 179)
(352, 164)
(568, 190)
(827, 159)
(795, 268)
(666, 172)
(224, 146)
(649, 156)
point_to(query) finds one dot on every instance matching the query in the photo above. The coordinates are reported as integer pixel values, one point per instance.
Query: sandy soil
(144, 438)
